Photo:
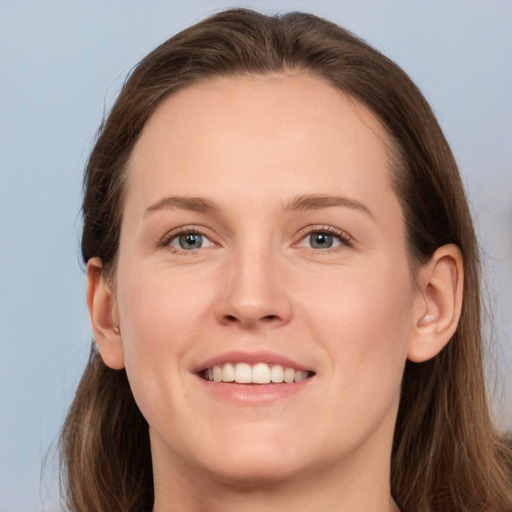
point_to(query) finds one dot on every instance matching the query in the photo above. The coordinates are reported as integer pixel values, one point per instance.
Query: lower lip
(254, 393)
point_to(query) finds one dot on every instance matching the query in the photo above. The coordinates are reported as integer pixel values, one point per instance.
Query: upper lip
(251, 358)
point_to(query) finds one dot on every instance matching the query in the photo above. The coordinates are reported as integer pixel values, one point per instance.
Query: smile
(259, 373)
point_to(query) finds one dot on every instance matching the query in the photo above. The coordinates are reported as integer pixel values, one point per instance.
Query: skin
(352, 313)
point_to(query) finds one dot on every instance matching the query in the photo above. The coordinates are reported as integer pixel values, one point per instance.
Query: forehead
(273, 133)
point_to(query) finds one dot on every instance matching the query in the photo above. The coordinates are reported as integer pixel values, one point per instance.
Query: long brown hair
(446, 453)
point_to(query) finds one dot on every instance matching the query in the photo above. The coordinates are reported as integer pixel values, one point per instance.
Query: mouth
(258, 373)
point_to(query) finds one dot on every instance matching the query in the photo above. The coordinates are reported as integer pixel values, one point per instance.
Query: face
(262, 242)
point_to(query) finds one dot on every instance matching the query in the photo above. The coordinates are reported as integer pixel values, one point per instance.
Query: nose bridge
(254, 293)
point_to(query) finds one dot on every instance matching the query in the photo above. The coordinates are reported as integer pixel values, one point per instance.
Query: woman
(283, 287)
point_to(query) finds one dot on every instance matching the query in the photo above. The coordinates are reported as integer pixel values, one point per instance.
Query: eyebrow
(196, 204)
(319, 201)
(298, 203)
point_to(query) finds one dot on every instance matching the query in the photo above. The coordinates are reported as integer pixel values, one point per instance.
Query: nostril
(263, 319)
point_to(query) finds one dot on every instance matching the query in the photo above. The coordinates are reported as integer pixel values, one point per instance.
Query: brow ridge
(319, 201)
(196, 204)
(299, 203)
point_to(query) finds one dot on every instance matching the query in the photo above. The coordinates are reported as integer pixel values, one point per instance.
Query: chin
(255, 472)
(254, 459)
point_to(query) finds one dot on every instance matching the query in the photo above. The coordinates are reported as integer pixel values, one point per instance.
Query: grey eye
(321, 240)
(190, 241)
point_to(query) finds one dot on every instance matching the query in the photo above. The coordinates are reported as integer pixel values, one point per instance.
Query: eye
(325, 239)
(189, 241)
(322, 240)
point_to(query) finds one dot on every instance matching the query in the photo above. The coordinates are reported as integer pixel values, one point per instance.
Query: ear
(439, 303)
(104, 318)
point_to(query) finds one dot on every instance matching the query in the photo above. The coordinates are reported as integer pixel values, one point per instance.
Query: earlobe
(103, 314)
(439, 301)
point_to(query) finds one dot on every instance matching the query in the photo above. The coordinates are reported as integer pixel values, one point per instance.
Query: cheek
(364, 323)
(159, 318)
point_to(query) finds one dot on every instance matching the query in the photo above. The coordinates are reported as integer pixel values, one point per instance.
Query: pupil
(190, 241)
(321, 240)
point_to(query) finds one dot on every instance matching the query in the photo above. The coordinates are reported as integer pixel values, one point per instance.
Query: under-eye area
(259, 373)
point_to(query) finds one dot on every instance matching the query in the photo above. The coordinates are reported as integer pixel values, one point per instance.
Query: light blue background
(62, 63)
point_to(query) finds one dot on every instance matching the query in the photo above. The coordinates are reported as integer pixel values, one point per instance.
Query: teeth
(300, 375)
(260, 373)
(243, 374)
(228, 373)
(289, 375)
(217, 373)
(277, 373)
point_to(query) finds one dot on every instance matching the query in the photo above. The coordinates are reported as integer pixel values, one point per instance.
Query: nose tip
(254, 295)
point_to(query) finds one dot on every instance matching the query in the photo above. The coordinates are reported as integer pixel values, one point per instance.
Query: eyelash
(184, 230)
(342, 236)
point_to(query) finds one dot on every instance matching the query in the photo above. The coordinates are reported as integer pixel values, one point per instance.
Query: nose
(254, 294)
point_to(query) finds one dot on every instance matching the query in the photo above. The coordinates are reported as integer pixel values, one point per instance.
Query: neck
(362, 488)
